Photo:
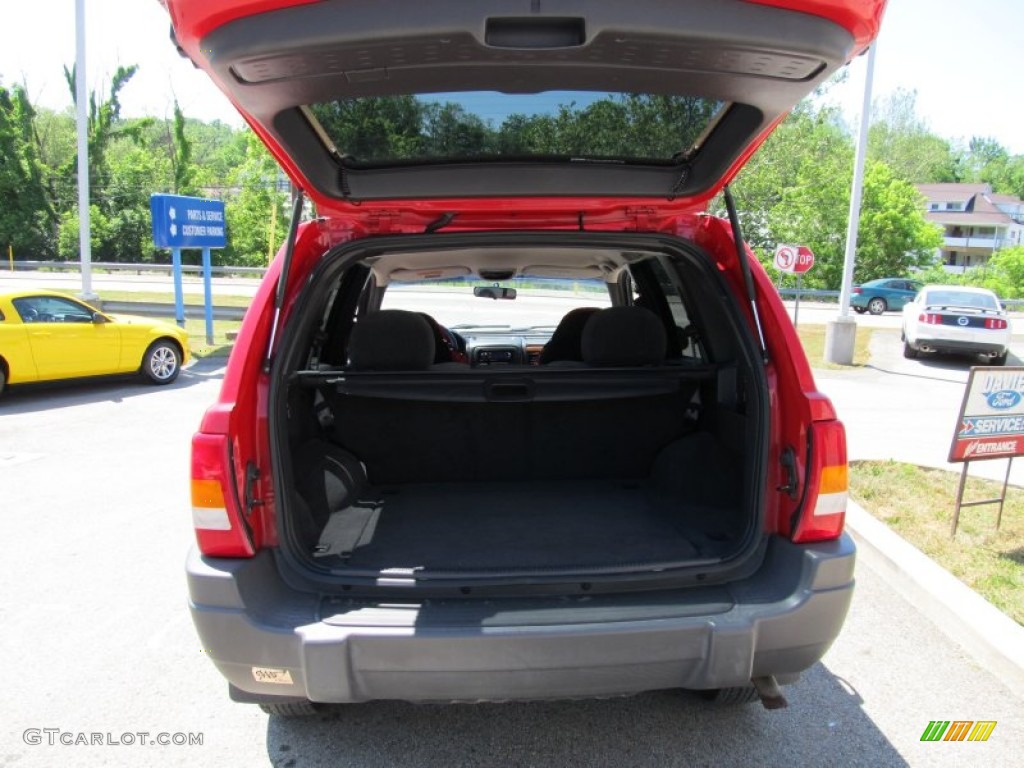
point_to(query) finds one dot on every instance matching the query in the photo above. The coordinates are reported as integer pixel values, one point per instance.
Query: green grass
(221, 346)
(813, 339)
(918, 504)
(190, 299)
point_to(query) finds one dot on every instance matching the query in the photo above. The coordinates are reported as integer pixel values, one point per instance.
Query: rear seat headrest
(624, 336)
(391, 340)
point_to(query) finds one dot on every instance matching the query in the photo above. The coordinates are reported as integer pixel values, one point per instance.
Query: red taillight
(824, 509)
(857, 290)
(216, 516)
(995, 323)
(930, 318)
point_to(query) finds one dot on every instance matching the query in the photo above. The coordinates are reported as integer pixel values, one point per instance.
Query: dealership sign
(991, 423)
(187, 222)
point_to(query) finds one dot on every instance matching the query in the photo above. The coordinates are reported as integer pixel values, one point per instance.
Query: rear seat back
(396, 340)
(402, 440)
(391, 340)
(623, 336)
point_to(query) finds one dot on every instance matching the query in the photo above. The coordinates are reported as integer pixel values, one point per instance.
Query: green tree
(893, 236)
(102, 118)
(1006, 273)
(120, 177)
(986, 160)
(134, 171)
(803, 165)
(449, 131)
(26, 215)
(373, 128)
(901, 140)
(983, 159)
(99, 232)
(183, 168)
(251, 212)
(799, 193)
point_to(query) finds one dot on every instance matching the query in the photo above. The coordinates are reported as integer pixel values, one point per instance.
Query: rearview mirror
(98, 318)
(494, 292)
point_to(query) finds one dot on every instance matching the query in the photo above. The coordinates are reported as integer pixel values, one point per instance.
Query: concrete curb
(993, 638)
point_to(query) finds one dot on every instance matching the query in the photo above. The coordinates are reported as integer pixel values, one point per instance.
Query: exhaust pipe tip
(769, 692)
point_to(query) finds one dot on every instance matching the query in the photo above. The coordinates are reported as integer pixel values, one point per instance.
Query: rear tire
(291, 709)
(746, 694)
(162, 362)
(877, 306)
(3, 379)
(909, 352)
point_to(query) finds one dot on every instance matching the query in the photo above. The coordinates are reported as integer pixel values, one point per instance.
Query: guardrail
(808, 293)
(112, 266)
(157, 309)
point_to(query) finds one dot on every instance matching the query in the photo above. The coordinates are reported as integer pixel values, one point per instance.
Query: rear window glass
(946, 298)
(489, 125)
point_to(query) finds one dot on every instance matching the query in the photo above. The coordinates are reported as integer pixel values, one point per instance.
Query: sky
(964, 62)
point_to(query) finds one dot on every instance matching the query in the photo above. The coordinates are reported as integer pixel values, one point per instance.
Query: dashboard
(486, 349)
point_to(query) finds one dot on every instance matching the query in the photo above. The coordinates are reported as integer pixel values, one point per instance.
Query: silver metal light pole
(841, 333)
(858, 187)
(84, 244)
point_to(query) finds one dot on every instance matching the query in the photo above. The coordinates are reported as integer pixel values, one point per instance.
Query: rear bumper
(962, 346)
(779, 621)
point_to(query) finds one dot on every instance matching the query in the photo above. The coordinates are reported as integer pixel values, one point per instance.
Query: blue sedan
(877, 296)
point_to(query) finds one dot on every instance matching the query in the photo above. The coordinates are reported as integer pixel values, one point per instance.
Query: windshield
(487, 125)
(539, 303)
(952, 298)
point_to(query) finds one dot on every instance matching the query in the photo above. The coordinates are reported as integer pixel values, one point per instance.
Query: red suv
(513, 416)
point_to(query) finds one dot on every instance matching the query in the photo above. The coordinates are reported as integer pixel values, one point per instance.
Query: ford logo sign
(962, 321)
(1004, 398)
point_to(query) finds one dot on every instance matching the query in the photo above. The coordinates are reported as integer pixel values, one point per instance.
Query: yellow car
(45, 335)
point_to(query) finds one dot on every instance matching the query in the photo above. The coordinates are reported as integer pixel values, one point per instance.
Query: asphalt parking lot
(98, 640)
(913, 406)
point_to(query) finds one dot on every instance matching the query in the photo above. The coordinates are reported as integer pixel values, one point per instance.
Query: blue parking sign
(187, 222)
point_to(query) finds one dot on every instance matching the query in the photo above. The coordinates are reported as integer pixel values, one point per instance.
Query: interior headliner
(568, 262)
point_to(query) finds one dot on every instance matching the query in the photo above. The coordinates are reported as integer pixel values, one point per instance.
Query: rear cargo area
(587, 524)
(640, 456)
(480, 488)
(573, 524)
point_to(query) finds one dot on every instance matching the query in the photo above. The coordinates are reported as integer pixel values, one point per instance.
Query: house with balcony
(975, 222)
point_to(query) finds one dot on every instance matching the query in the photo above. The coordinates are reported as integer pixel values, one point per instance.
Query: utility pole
(84, 243)
(841, 333)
